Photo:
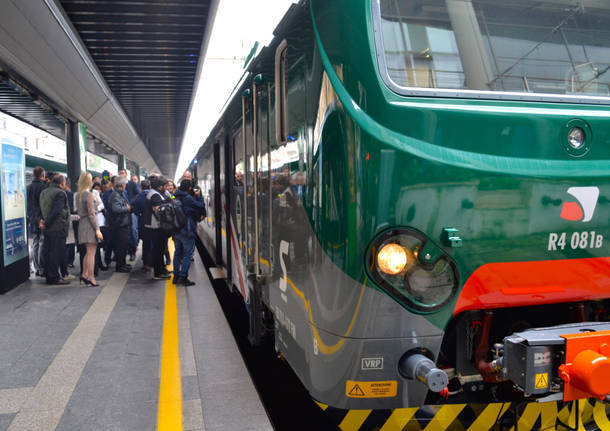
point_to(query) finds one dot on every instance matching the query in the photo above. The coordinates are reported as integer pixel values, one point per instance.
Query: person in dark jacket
(54, 224)
(194, 210)
(133, 189)
(152, 228)
(107, 189)
(37, 185)
(120, 220)
(68, 260)
(138, 207)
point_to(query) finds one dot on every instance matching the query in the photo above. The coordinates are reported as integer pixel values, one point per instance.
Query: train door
(289, 164)
(207, 182)
(224, 186)
(243, 198)
(262, 203)
(238, 232)
(218, 203)
(228, 182)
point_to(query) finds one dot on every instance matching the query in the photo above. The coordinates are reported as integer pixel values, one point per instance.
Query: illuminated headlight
(392, 259)
(422, 284)
(576, 138)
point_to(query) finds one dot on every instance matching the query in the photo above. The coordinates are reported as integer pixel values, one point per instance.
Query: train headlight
(576, 138)
(423, 284)
(392, 259)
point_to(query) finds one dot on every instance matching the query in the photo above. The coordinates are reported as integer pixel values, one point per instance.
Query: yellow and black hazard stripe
(577, 415)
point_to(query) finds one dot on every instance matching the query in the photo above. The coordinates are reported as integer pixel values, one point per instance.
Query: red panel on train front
(515, 284)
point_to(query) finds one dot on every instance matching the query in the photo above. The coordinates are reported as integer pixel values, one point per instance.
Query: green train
(412, 197)
(32, 161)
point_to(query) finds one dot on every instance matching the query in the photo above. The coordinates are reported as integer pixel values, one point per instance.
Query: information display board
(13, 194)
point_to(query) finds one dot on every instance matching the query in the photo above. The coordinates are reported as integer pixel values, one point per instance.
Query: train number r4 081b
(575, 241)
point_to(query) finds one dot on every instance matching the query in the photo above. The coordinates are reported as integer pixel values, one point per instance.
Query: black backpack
(171, 216)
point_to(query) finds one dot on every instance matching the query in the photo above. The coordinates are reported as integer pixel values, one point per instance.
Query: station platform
(132, 354)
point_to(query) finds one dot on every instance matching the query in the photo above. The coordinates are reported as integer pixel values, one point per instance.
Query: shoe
(186, 282)
(59, 282)
(88, 282)
(39, 274)
(69, 277)
(162, 277)
(132, 257)
(124, 269)
(104, 267)
(177, 279)
(70, 265)
(146, 268)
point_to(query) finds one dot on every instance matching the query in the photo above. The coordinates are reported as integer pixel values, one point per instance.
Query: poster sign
(13, 202)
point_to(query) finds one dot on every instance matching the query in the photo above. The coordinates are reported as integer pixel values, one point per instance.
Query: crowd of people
(106, 219)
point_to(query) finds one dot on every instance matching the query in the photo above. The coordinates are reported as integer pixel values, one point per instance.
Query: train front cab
(481, 189)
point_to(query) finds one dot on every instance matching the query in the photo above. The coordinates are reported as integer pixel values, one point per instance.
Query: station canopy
(148, 52)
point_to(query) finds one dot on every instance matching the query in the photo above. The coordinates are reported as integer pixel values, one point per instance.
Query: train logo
(584, 208)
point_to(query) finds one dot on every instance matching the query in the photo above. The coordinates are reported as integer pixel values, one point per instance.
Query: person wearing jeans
(184, 240)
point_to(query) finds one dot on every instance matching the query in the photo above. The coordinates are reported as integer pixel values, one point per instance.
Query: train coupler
(573, 359)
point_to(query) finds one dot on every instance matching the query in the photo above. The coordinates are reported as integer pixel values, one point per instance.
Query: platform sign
(13, 194)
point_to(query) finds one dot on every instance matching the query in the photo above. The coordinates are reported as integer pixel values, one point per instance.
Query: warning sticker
(371, 389)
(542, 381)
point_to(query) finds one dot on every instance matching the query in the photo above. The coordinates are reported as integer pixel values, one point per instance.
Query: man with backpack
(120, 221)
(184, 238)
(152, 225)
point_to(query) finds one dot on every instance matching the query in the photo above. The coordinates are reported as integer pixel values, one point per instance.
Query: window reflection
(549, 46)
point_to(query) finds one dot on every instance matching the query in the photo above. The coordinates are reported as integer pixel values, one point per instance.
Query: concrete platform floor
(77, 358)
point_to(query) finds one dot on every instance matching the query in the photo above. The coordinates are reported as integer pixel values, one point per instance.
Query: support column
(122, 162)
(473, 52)
(76, 148)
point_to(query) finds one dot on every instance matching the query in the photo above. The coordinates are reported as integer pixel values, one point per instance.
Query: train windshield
(553, 47)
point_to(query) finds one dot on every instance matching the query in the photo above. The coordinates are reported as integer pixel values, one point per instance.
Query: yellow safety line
(170, 388)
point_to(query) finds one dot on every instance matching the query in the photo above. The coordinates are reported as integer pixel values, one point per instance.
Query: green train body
(504, 222)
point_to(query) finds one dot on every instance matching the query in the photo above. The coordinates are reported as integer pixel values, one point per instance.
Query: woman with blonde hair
(88, 228)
